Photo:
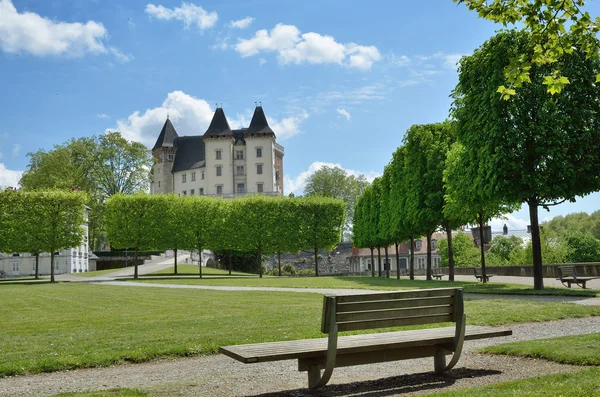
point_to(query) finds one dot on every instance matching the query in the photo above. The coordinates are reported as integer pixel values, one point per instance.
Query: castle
(222, 162)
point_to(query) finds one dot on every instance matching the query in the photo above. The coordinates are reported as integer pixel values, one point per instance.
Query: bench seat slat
(379, 296)
(287, 350)
(398, 314)
(395, 304)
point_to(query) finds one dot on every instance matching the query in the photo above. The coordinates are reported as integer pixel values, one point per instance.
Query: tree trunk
(450, 253)
(538, 271)
(482, 248)
(379, 261)
(397, 262)
(230, 263)
(412, 258)
(372, 263)
(316, 262)
(259, 262)
(429, 267)
(135, 263)
(387, 263)
(200, 261)
(175, 267)
(52, 265)
(37, 265)
(279, 262)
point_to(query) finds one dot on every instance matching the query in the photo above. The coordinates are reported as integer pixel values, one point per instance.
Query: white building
(72, 260)
(222, 162)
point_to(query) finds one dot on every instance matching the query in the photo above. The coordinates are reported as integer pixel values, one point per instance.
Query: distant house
(71, 260)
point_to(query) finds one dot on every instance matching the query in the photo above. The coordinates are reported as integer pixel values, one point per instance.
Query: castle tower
(218, 146)
(164, 151)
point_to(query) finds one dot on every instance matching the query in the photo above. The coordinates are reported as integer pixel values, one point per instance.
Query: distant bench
(479, 276)
(568, 275)
(371, 311)
(438, 276)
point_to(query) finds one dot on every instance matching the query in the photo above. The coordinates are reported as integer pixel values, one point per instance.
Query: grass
(189, 270)
(361, 282)
(105, 393)
(9, 279)
(51, 327)
(576, 349)
(577, 384)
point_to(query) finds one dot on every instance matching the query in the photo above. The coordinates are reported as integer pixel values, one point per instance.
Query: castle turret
(163, 152)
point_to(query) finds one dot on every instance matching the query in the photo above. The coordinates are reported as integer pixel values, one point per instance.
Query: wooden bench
(438, 276)
(372, 311)
(568, 275)
(479, 277)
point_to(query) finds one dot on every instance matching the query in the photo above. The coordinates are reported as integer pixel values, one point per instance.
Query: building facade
(71, 260)
(221, 162)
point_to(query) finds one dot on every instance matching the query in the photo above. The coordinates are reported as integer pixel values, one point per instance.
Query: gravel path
(221, 376)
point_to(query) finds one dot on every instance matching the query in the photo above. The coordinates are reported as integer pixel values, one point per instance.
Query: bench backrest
(567, 271)
(392, 309)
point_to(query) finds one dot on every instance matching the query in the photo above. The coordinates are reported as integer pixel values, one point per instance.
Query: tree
(322, 220)
(465, 252)
(336, 183)
(537, 148)
(504, 245)
(101, 166)
(136, 221)
(582, 247)
(576, 222)
(173, 224)
(48, 221)
(287, 235)
(558, 29)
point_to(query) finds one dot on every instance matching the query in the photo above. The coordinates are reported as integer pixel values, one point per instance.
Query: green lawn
(361, 282)
(577, 349)
(52, 327)
(578, 384)
(9, 279)
(189, 270)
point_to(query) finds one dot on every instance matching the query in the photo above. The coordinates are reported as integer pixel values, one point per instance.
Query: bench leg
(314, 376)
(582, 284)
(439, 361)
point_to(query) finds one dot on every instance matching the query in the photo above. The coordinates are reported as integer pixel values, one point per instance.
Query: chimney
(505, 230)
(528, 228)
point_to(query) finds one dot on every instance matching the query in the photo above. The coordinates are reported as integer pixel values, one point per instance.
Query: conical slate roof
(167, 136)
(259, 124)
(218, 125)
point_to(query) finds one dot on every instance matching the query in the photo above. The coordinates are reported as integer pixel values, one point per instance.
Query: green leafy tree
(322, 220)
(202, 227)
(286, 236)
(502, 246)
(465, 252)
(336, 183)
(173, 224)
(136, 221)
(537, 148)
(582, 247)
(558, 29)
(576, 222)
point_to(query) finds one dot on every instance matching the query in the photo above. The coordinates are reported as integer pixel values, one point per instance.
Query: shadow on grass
(394, 386)
(30, 282)
(191, 275)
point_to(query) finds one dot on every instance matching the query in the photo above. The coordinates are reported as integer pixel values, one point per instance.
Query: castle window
(183, 178)
(219, 189)
(201, 191)
(433, 244)
(193, 176)
(159, 184)
(240, 188)
(170, 157)
(239, 170)
(258, 152)
(184, 193)
(218, 154)
(202, 175)
(192, 192)
(259, 187)
(259, 169)
(239, 154)
(219, 170)
(418, 245)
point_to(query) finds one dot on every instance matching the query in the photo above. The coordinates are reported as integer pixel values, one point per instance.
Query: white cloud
(262, 61)
(511, 221)
(102, 116)
(296, 185)
(29, 32)
(344, 113)
(190, 116)
(121, 56)
(241, 23)
(188, 13)
(16, 150)
(293, 47)
(9, 177)
(401, 60)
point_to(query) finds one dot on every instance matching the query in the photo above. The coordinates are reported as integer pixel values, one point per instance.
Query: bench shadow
(393, 386)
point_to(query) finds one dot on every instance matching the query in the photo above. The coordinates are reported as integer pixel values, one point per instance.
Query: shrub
(288, 269)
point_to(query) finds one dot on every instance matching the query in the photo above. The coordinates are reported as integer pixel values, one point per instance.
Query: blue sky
(341, 81)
